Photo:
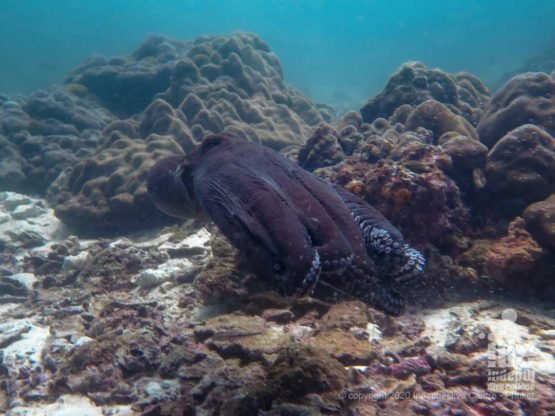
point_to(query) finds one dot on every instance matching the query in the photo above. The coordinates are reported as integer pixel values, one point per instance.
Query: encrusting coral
(507, 259)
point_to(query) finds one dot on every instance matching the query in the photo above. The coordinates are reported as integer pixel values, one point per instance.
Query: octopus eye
(211, 141)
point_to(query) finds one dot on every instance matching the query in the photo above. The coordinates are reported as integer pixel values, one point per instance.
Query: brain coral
(219, 83)
(321, 149)
(181, 92)
(520, 168)
(126, 85)
(60, 104)
(525, 99)
(106, 191)
(44, 133)
(436, 117)
(414, 83)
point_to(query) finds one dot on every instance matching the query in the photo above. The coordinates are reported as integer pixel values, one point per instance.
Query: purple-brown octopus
(290, 224)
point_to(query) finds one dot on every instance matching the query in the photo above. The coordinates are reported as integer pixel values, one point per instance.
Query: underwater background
(277, 208)
(329, 49)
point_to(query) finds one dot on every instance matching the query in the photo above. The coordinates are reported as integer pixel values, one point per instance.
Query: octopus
(291, 226)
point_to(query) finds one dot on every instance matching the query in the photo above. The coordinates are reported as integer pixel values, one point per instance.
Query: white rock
(164, 272)
(82, 341)
(524, 347)
(121, 243)
(74, 262)
(4, 217)
(199, 239)
(374, 332)
(154, 242)
(23, 212)
(20, 209)
(27, 351)
(440, 324)
(66, 405)
(118, 411)
(25, 279)
(5, 308)
(300, 332)
(548, 334)
(154, 389)
(11, 200)
(527, 349)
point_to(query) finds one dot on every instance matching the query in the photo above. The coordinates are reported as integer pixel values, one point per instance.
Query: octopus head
(167, 190)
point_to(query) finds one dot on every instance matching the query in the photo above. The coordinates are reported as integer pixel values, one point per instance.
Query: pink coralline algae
(405, 368)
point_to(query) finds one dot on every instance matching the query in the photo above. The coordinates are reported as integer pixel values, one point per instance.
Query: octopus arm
(258, 220)
(384, 242)
(233, 217)
(378, 232)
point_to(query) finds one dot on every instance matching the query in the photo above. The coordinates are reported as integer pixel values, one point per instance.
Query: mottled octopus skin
(289, 224)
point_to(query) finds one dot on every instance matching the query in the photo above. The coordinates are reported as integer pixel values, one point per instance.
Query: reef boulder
(521, 168)
(414, 83)
(540, 221)
(525, 99)
(44, 133)
(437, 118)
(177, 92)
(218, 82)
(106, 191)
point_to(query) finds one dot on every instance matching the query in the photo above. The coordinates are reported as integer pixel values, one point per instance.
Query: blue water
(329, 49)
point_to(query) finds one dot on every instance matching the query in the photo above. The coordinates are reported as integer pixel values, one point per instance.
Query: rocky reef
(450, 170)
(109, 307)
(117, 327)
(216, 83)
(92, 131)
